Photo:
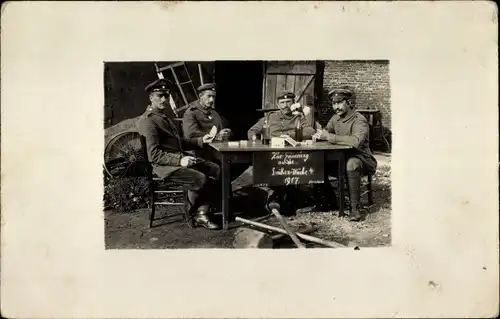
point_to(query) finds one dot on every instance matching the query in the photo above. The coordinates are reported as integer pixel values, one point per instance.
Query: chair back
(149, 167)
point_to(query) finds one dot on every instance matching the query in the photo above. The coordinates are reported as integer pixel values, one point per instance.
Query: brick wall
(368, 79)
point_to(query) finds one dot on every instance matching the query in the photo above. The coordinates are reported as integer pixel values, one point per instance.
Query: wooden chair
(173, 193)
(366, 188)
(377, 130)
(366, 184)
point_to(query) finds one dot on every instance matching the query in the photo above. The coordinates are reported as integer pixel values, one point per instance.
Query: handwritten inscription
(289, 159)
(288, 168)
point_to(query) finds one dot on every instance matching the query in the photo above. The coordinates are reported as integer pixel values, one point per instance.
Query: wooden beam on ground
(287, 228)
(300, 235)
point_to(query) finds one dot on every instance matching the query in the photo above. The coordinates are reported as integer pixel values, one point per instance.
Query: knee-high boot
(354, 180)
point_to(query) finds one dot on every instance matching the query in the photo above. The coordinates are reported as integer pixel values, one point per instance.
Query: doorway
(239, 94)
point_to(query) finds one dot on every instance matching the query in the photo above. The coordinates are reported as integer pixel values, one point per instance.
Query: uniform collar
(207, 111)
(151, 110)
(348, 117)
(288, 117)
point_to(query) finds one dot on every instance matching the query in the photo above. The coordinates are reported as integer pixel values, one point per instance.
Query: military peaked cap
(286, 95)
(339, 95)
(206, 86)
(160, 85)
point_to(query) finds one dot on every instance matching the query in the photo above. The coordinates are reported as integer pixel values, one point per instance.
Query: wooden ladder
(180, 85)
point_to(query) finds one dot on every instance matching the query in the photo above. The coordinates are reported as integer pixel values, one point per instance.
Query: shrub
(126, 193)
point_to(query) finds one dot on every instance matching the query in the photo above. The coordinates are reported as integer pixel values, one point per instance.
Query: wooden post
(290, 232)
(201, 74)
(300, 235)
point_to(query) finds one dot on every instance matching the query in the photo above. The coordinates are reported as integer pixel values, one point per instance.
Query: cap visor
(337, 99)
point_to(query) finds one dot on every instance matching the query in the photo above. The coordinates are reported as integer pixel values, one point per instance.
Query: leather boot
(354, 180)
(356, 214)
(202, 219)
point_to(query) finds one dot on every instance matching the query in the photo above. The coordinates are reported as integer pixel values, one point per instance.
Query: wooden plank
(287, 228)
(304, 85)
(300, 235)
(270, 97)
(300, 82)
(290, 82)
(305, 88)
(180, 88)
(280, 83)
(189, 92)
(308, 99)
(169, 66)
(291, 67)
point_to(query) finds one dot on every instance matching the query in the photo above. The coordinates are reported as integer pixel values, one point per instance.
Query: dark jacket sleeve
(156, 153)
(224, 122)
(192, 143)
(307, 130)
(360, 131)
(190, 127)
(256, 128)
(191, 131)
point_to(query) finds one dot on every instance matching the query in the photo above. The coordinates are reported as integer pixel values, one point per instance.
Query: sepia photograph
(193, 159)
(247, 154)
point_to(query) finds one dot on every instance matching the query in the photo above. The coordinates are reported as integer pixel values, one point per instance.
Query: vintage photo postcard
(337, 113)
(249, 159)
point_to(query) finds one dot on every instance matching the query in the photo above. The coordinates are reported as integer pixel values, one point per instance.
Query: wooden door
(294, 76)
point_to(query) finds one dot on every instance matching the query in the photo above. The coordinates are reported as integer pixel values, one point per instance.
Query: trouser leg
(197, 184)
(211, 191)
(354, 169)
(193, 181)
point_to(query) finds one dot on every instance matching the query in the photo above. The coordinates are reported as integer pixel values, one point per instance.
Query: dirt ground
(131, 230)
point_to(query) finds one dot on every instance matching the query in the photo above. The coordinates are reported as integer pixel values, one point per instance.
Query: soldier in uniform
(166, 151)
(199, 119)
(349, 127)
(284, 121)
(280, 122)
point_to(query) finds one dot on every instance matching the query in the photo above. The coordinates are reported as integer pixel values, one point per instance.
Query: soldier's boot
(354, 180)
(202, 219)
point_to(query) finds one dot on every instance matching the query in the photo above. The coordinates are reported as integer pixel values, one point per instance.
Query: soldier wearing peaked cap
(167, 152)
(199, 119)
(280, 122)
(284, 121)
(349, 127)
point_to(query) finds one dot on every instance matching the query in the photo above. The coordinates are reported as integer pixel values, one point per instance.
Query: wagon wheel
(124, 156)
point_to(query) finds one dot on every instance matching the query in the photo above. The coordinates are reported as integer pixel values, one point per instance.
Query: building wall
(368, 79)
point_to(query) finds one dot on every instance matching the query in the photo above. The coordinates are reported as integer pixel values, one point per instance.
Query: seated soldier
(166, 151)
(280, 122)
(199, 119)
(349, 127)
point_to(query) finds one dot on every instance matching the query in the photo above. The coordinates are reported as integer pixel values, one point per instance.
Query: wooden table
(244, 154)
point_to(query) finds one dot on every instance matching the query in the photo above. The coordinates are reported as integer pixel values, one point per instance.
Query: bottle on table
(266, 133)
(298, 130)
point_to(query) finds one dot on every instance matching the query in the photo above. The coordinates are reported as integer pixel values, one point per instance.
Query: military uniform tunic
(280, 124)
(198, 121)
(353, 130)
(165, 146)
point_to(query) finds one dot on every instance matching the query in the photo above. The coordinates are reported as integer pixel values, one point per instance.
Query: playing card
(213, 131)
